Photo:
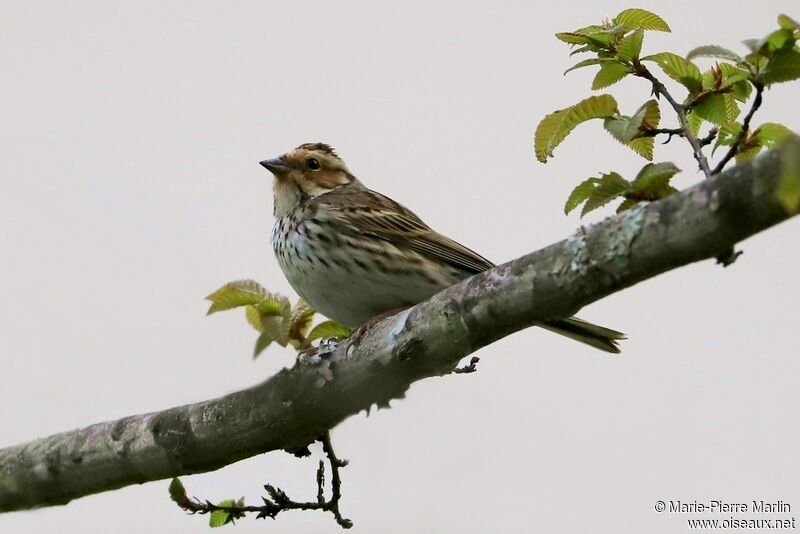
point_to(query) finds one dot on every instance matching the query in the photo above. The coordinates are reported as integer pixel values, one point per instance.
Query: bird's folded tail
(598, 337)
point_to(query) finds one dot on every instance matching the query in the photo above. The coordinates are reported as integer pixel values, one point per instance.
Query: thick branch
(292, 408)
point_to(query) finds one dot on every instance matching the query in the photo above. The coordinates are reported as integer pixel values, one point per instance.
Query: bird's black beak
(275, 165)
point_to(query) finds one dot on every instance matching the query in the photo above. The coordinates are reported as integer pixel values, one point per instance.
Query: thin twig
(659, 89)
(708, 139)
(734, 149)
(278, 501)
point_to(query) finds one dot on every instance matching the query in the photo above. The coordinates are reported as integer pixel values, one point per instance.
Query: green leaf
(752, 44)
(727, 136)
(717, 108)
(695, 122)
(269, 306)
(679, 69)
(627, 204)
(629, 48)
(235, 294)
(771, 134)
(627, 130)
(783, 67)
(555, 127)
(778, 40)
(643, 146)
(176, 491)
(327, 329)
(731, 74)
(652, 181)
(624, 129)
(634, 18)
(713, 51)
(595, 41)
(611, 186)
(737, 79)
(788, 191)
(747, 153)
(581, 192)
(586, 63)
(219, 518)
(581, 50)
(609, 74)
(277, 328)
(300, 322)
(786, 22)
(263, 341)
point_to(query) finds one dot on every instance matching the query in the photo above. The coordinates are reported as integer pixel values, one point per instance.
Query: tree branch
(680, 110)
(277, 501)
(734, 149)
(294, 407)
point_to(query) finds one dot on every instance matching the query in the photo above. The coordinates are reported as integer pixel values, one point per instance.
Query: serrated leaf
(752, 44)
(588, 62)
(581, 50)
(627, 204)
(555, 127)
(609, 74)
(327, 329)
(679, 69)
(771, 134)
(235, 294)
(713, 51)
(788, 191)
(578, 195)
(611, 186)
(273, 327)
(253, 317)
(176, 491)
(717, 108)
(784, 66)
(219, 518)
(262, 342)
(727, 136)
(737, 79)
(631, 46)
(788, 23)
(572, 38)
(652, 113)
(778, 40)
(695, 122)
(627, 129)
(594, 40)
(639, 18)
(652, 180)
(643, 146)
(300, 322)
(748, 153)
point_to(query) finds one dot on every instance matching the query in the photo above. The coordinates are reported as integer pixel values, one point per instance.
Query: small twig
(708, 139)
(659, 89)
(278, 501)
(469, 368)
(743, 132)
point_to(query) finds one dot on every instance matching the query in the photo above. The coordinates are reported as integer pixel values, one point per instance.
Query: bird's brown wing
(369, 212)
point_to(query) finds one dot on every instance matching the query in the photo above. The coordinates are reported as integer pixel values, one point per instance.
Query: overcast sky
(130, 189)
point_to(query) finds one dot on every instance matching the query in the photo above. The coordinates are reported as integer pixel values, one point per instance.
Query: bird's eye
(313, 164)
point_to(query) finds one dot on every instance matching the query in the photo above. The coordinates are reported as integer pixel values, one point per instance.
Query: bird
(354, 254)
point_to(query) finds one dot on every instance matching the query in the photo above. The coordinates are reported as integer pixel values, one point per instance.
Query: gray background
(130, 189)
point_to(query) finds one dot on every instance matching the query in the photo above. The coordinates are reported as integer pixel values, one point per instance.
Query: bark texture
(292, 408)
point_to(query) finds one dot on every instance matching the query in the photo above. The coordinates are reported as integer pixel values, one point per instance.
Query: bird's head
(306, 172)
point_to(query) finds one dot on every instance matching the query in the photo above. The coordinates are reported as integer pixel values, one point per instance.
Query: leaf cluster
(652, 183)
(714, 96)
(271, 314)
